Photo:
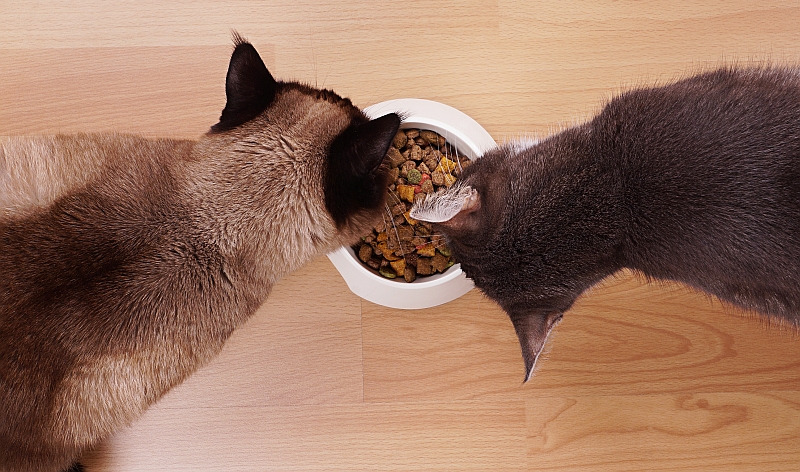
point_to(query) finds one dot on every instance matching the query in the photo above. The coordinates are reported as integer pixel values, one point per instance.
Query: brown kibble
(430, 136)
(398, 209)
(410, 273)
(412, 133)
(365, 253)
(399, 139)
(421, 229)
(394, 174)
(416, 153)
(438, 178)
(431, 162)
(418, 241)
(439, 262)
(424, 266)
(395, 158)
(374, 263)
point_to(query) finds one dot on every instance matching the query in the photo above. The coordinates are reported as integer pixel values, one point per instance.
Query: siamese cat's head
(307, 160)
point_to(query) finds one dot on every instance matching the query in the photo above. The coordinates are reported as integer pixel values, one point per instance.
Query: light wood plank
(430, 436)
(685, 431)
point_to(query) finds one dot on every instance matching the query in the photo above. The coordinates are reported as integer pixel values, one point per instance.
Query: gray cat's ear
(249, 87)
(533, 329)
(451, 207)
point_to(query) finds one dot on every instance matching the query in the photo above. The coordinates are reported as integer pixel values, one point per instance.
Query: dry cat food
(400, 247)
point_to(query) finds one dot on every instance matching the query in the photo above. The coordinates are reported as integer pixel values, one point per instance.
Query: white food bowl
(471, 140)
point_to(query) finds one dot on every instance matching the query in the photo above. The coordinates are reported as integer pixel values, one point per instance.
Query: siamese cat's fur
(125, 263)
(697, 181)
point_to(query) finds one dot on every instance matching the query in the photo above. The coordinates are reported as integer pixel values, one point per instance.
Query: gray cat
(125, 262)
(698, 182)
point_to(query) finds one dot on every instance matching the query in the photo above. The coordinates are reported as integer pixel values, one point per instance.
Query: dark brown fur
(698, 181)
(126, 263)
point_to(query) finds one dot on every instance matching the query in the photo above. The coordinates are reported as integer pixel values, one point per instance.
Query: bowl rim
(468, 137)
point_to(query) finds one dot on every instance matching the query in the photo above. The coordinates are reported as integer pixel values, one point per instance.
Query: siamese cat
(697, 182)
(125, 262)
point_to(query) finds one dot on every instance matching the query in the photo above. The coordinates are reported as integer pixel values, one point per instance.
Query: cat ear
(353, 181)
(450, 208)
(533, 329)
(249, 87)
(366, 144)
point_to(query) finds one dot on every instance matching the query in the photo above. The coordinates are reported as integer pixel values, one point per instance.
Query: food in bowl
(399, 247)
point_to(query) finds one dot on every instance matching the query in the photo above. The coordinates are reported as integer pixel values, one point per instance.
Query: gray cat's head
(524, 233)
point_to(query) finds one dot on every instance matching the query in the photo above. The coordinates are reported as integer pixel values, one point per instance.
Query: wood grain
(638, 376)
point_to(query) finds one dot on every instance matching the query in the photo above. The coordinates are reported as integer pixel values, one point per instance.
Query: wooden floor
(639, 376)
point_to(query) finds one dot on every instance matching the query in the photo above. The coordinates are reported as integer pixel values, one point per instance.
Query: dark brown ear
(354, 180)
(249, 87)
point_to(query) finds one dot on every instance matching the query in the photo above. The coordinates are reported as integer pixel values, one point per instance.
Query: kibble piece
(399, 139)
(399, 267)
(439, 262)
(432, 162)
(446, 165)
(429, 136)
(387, 252)
(427, 250)
(406, 192)
(449, 179)
(410, 273)
(365, 253)
(437, 177)
(414, 176)
(395, 158)
(416, 153)
(387, 272)
(412, 133)
(424, 266)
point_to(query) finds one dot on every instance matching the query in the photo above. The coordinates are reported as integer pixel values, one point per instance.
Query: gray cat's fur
(697, 181)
